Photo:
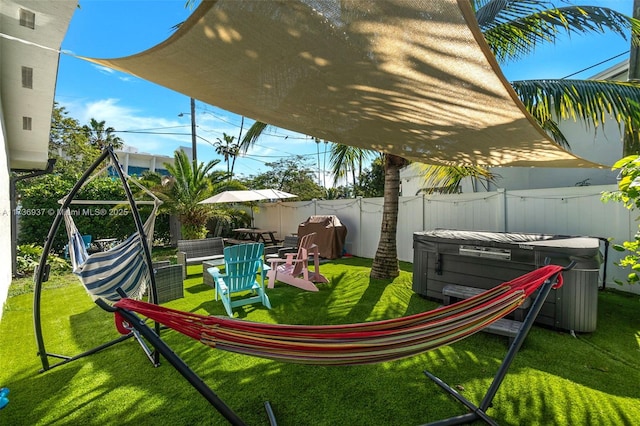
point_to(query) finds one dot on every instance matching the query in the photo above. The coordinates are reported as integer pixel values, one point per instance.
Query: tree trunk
(385, 263)
(632, 143)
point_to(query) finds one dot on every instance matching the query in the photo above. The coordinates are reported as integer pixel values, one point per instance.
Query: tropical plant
(101, 136)
(447, 179)
(345, 159)
(28, 259)
(628, 194)
(181, 193)
(514, 29)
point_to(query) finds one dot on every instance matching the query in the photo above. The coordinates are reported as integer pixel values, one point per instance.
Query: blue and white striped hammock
(123, 266)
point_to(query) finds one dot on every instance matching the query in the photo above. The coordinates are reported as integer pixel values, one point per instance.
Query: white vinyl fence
(576, 211)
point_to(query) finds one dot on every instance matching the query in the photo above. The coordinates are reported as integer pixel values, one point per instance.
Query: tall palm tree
(100, 136)
(228, 150)
(385, 262)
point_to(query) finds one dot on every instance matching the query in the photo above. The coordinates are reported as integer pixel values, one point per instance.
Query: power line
(595, 65)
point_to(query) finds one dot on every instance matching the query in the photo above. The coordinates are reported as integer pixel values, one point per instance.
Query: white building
(30, 39)
(134, 162)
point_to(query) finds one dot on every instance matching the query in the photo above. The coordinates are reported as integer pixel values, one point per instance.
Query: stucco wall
(5, 219)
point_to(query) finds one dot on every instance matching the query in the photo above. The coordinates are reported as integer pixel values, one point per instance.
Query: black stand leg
(479, 412)
(177, 363)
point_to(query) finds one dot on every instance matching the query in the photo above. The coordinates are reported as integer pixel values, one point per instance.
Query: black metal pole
(479, 412)
(194, 148)
(519, 339)
(155, 359)
(40, 272)
(177, 363)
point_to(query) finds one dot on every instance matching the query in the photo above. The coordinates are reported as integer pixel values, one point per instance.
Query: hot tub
(486, 259)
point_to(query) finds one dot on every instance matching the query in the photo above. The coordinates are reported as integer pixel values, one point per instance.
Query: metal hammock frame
(189, 324)
(41, 273)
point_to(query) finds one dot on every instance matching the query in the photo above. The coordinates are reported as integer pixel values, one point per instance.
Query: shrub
(628, 194)
(28, 257)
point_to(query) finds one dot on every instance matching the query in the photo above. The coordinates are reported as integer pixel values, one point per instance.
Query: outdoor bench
(191, 252)
(503, 326)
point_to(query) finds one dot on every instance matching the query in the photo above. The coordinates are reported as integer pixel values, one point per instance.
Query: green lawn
(555, 379)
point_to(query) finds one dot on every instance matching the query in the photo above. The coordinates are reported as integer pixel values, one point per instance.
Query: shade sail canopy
(413, 78)
(247, 195)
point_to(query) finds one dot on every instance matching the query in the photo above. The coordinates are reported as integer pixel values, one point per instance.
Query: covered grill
(331, 234)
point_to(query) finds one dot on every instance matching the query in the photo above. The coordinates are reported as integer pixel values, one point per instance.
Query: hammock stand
(41, 273)
(304, 336)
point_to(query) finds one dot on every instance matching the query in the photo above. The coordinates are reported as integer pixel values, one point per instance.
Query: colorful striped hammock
(349, 344)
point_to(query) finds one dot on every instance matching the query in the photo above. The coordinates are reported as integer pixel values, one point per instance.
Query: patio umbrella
(246, 196)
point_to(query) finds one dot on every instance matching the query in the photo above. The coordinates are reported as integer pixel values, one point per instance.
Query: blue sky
(146, 115)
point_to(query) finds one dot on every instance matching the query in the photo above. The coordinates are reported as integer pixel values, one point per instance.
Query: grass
(555, 379)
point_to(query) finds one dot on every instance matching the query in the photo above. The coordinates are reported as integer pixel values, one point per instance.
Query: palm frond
(344, 158)
(592, 101)
(515, 28)
(253, 133)
(447, 179)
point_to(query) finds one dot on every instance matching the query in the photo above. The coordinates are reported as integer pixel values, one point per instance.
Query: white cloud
(104, 70)
(158, 135)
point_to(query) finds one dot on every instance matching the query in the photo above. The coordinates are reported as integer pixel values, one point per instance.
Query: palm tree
(101, 136)
(385, 262)
(228, 150)
(345, 159)
(447, 179)
(188, 185)
(514, 29)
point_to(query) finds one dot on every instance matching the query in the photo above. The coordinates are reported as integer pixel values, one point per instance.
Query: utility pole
(194, 152)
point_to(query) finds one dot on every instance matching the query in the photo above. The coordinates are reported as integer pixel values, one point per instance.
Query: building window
(27, 19)
(27, 77)
(26, 123)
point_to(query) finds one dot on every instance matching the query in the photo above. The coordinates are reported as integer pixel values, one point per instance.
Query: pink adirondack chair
(294, 270)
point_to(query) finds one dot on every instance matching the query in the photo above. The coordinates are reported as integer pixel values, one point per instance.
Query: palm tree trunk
(385, 263)
(353, 176)
(632, 141)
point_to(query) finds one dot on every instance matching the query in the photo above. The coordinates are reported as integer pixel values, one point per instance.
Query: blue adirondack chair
(86, 239)
(243, 262)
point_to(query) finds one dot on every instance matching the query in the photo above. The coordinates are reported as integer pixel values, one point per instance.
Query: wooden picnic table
(254, 234)
(105, 244)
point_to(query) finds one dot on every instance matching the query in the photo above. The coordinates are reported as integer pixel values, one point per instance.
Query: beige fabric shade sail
(408, 77)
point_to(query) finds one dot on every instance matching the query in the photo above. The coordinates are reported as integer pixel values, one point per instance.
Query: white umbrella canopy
(247, 195)
(274, 194)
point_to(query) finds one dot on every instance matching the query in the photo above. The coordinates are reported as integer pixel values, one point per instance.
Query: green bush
(39, 207)
(628, 193)
(28, 257)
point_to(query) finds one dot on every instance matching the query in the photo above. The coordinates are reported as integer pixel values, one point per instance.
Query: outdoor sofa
(191, 252)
